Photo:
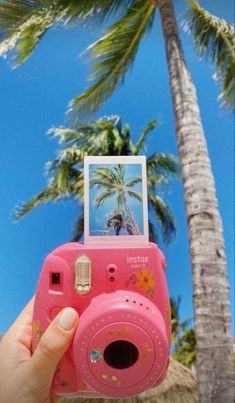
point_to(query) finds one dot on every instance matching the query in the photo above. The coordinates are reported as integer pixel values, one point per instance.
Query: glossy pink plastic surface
(127, 301)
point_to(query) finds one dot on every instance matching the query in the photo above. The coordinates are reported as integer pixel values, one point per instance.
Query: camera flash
(82, 274)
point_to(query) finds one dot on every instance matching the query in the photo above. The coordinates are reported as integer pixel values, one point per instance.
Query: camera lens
(121, 354)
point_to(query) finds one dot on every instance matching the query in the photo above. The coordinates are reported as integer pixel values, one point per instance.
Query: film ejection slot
(82, 281)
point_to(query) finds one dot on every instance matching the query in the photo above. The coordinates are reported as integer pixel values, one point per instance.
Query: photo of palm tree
(116, 199)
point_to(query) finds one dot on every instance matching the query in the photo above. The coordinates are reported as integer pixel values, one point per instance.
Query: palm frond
(76, 185)
(49, 193)
(100, 137)
(102, 9)
(97, 9)
(64, 181)
(78, 227)
(102, 196)
(113, 54)
(104, 136)
(23, 24)
(164, 216)
(133, 181)
(135, 195)
(139, 145)
(160, 162)
(157, 180)
(67, 135)
(128, 146)
(101, 176)
(13, 13)
(214, 39)
(119, 172)
(101, 182)
(62, 178)
(153, 234)
(72, 155)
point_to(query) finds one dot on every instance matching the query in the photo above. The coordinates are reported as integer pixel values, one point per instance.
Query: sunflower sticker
(143, 279)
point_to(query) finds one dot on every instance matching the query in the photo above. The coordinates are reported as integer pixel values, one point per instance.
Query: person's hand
(26, 378)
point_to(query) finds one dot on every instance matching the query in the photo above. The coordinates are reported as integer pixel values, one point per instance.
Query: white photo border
(111, 239)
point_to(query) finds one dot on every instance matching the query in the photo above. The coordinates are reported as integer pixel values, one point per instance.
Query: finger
(20, 333)
(24, 318)
(53, 344)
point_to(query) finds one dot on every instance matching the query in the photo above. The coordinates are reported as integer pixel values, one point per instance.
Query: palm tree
(112, 182)
(182, 336)
(113, 54)
(177, 326)
(104, 136)
(184, 351)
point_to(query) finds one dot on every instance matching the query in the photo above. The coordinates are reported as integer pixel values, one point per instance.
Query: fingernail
(68, 318)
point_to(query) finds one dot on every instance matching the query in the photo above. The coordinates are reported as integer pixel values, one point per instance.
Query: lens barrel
(120, 347)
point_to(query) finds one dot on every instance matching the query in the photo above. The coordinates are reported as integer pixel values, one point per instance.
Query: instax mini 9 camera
(121, 345)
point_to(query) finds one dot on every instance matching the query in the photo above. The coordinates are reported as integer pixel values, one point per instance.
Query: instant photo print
(115, 200)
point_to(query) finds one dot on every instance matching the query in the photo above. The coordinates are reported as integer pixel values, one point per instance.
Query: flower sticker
(146, 349)
(144, 280)
(36, 327)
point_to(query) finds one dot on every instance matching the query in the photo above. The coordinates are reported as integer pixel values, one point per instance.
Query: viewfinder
(55, 278)
(56, 281)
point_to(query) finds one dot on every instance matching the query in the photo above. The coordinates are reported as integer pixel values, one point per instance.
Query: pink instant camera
(121, 345)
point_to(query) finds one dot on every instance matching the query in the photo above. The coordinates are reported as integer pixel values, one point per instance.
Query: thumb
(52, 346)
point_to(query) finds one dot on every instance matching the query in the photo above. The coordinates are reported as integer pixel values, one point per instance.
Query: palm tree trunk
(210, 284)
(134, 226)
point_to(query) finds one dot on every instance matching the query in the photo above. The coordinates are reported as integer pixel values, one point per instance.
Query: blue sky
(34, 97)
